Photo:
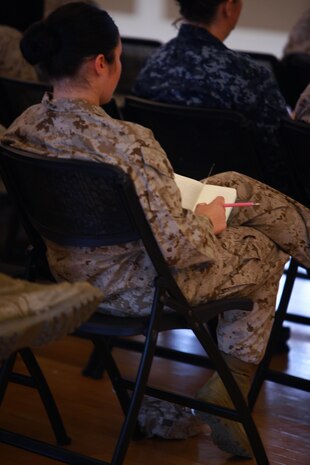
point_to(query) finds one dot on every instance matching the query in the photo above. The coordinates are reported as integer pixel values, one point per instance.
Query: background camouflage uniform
(299, 37)
(302, 110)
(12, 63)
(247, 259)
(197, 69)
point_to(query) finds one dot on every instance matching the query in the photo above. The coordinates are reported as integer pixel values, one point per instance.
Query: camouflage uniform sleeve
(302, 110)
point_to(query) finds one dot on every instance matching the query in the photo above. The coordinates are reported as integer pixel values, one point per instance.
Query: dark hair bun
(39, 42)
(67, 37)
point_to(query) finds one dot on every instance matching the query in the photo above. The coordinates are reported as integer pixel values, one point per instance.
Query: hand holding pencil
(214, 210)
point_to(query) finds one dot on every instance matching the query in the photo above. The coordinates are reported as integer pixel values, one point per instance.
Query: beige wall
(263, 26)
(277, 15)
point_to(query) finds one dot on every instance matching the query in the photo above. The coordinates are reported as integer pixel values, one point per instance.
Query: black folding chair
(294, 138)
(135, 52)
(296, 76)
(198, 140)
(47, 192)
(16, 96)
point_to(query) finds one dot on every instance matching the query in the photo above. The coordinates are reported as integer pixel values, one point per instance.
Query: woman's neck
(70, 90)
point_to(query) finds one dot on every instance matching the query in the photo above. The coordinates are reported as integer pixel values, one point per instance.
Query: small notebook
(194, 192)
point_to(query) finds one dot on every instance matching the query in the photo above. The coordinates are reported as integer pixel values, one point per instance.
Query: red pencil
(241, 204)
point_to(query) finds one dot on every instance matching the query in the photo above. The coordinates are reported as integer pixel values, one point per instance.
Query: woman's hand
(215, 211)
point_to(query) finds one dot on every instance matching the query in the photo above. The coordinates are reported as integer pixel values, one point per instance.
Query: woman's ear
(228, 7)
(100, 64)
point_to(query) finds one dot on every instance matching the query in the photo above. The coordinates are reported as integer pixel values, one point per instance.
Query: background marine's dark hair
(202, 11)
(67, 37)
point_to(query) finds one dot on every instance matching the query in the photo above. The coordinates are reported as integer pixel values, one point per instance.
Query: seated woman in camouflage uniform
(79, 47)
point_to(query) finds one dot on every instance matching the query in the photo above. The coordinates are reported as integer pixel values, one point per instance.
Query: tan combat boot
(228, 435)
(32, 314)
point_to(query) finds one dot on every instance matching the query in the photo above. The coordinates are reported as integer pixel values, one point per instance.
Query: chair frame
(96, 366)
(264, 372)
(296, 153)
(100, 328)
(295, 69)
(35, 380)
(124, 87)
(181, 130)
(9, 87)
(295, 159)
(14, 98)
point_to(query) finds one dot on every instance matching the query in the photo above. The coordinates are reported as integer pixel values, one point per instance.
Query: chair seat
(108, 325)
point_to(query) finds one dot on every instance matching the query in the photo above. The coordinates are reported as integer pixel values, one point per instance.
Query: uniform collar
(189, 32)
(68, 105)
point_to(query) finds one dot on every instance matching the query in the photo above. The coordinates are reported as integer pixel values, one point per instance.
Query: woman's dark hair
(202, 11)
(69, 35)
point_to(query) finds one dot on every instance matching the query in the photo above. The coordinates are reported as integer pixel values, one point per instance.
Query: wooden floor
(92, 416)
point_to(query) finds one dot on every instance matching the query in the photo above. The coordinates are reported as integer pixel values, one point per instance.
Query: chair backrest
(296, 76)
(79, 203)
(197, 139)
(135, 52)
(295, 141)
(16, 96)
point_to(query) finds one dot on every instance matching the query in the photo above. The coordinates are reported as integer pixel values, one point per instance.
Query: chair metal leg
(95, 365)
(141, 380)
(241, 413)
(103, 348)
(41, 385)
(5, 373)
(14, 225)
(44, 449)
